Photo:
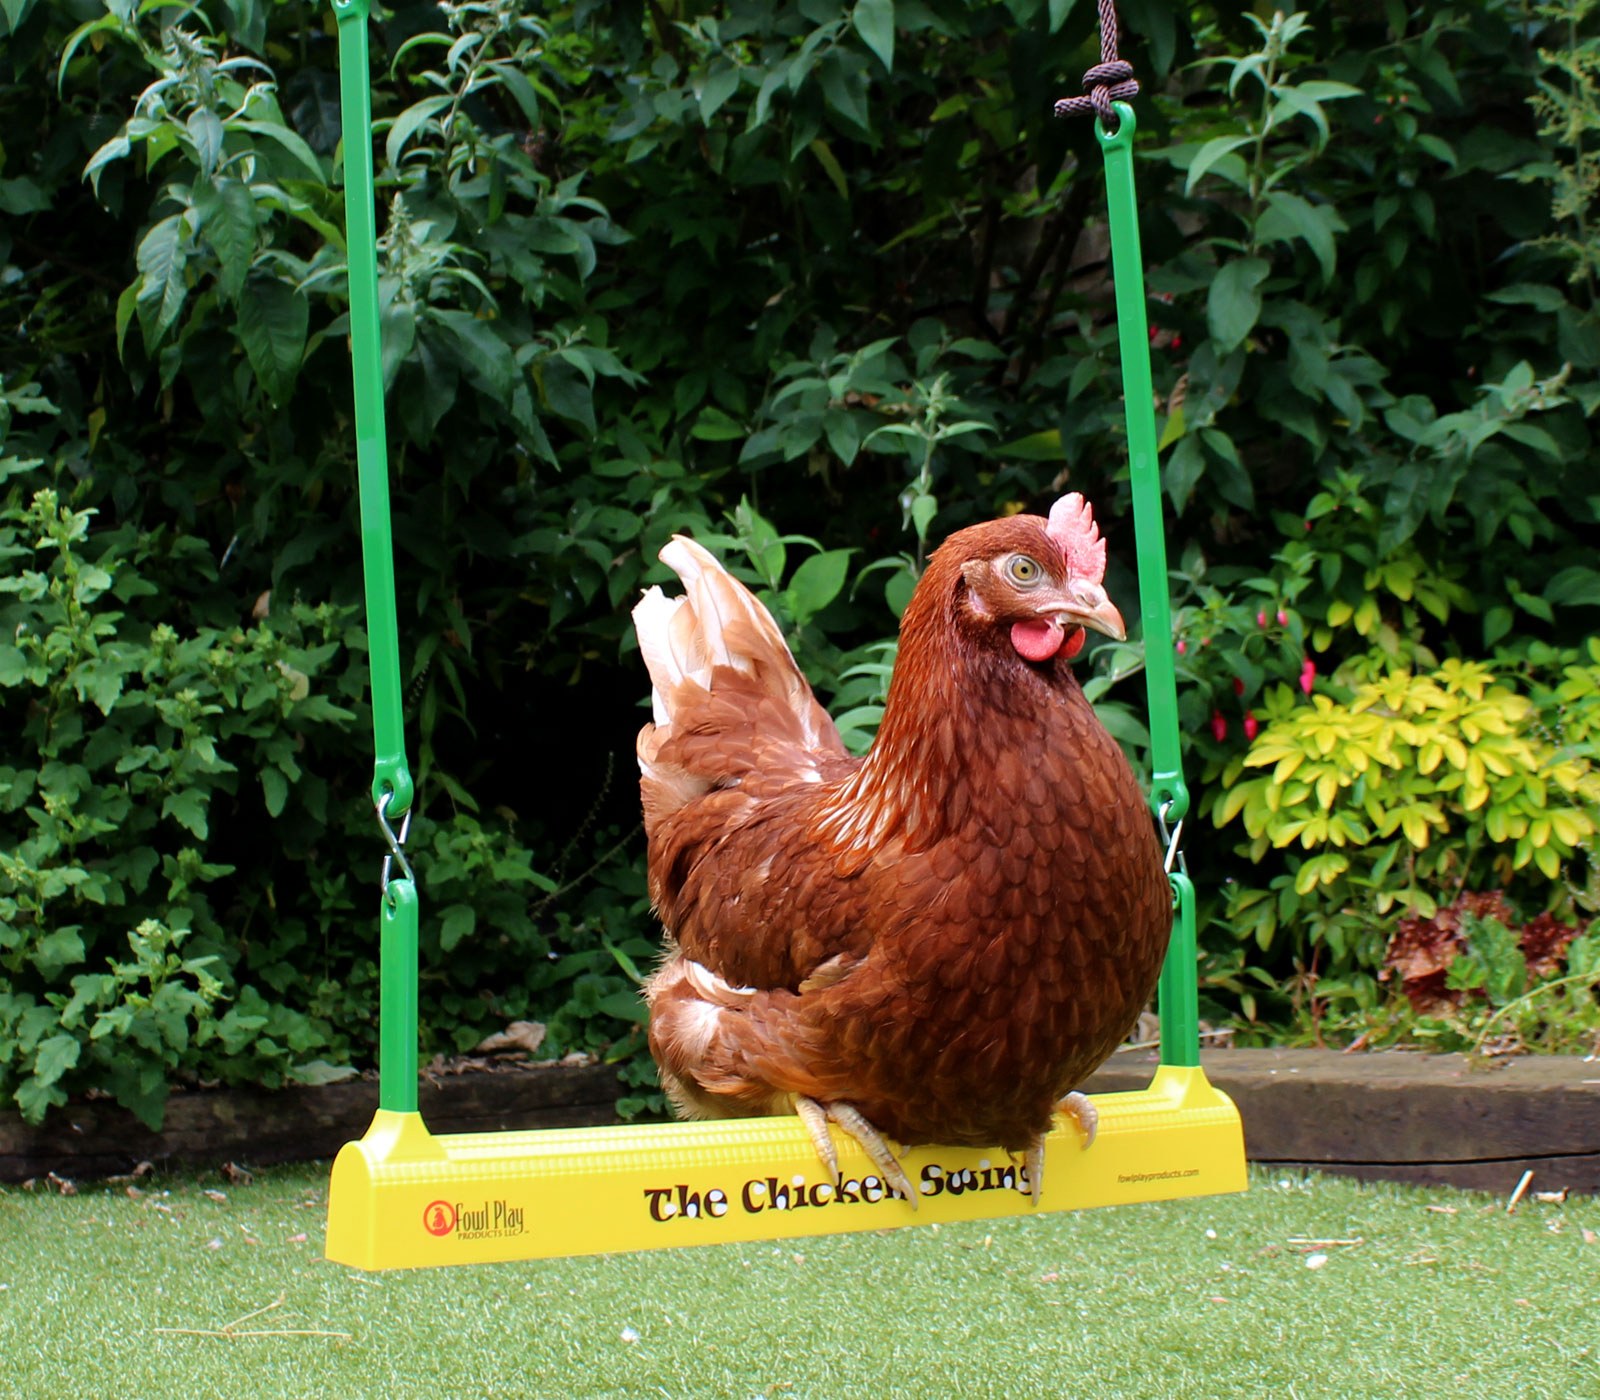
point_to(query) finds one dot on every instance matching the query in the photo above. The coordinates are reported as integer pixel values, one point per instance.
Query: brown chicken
(935, 943)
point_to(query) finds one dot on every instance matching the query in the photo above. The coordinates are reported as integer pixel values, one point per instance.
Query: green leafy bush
(134, 955)
(137, 741)
(1389, 803)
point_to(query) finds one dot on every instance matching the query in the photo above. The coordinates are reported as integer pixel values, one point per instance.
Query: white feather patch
(652, 619)
(707, 984)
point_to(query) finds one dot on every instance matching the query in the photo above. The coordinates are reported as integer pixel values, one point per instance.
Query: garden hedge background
(820, 282)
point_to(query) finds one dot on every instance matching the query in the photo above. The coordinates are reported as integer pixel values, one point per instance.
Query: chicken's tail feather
(726, 695)
(692, 1011)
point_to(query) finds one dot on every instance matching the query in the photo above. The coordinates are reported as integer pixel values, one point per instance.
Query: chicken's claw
(816, 1117)
(1077, 1106)
(1081, 1107)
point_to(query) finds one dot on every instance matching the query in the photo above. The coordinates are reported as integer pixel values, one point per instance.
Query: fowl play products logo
(491, 1220)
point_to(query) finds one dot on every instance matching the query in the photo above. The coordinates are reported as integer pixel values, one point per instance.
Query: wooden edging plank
(1430, 1119)
(98, 1138)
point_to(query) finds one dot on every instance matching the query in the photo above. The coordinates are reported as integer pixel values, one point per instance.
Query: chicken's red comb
(1072, 527)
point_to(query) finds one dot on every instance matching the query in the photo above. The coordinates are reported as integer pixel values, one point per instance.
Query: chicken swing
(403, 1198)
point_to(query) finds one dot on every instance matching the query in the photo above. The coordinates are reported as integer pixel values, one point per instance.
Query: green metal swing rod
(392, 786)
(1169, 797)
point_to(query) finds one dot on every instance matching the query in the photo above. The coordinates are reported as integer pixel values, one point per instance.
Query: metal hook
(1170, 840)
(395, 843)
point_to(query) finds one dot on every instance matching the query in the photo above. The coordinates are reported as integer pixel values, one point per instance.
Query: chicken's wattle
(1037, 639)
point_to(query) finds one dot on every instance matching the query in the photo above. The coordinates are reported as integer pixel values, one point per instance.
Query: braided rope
(1110, 80)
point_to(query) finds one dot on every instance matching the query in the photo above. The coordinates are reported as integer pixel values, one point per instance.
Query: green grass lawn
(1445, 1295)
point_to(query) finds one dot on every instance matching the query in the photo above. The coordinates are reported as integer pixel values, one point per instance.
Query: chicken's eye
(1023, 570)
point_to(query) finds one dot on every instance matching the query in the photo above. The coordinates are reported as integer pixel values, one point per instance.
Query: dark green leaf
(624, 1006)
(1209, 154)
(713, 425)
(54, 951)
(188, 808)
(100, 684)
(1036, 447)
(482, 353)
(272, 321)
(55, 1057)
(843, 433)
(1496, 623)
(411, 121)
(321, 1072)
(817, 582)
(22, 196)
(1182, 471)
(720, 84)
(227, 213)
(1234, 304)
(249, 28)
(397, 330)
(1539, 295)
(113, 150)
(161, 258)
(567, 393)
(1578, 337)
(1288, 217)
(1232, 481)
(127, 306)
(290, 141)
(844, 87)
(830, 165)
(1576, 586)
(874, 22)
(276, 789)
(515, 81)
(1156, 21)
(205, 130)
(458, 922)
(16, 11)
(1123, 724)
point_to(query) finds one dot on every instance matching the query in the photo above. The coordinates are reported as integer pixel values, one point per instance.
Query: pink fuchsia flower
(1219, 726)
(1283, 618)
(1238, 686)
(1251, 727)
(1183, 646)
(1308, 674)
(1261, 618)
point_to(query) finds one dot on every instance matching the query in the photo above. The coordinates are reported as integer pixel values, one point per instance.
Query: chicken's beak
(1087, 605)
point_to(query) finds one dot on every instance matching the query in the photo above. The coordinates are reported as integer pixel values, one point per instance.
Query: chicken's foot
(1074, 1105)
(816, 1117)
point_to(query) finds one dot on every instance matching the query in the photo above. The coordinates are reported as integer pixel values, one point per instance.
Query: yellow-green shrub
(1417, 786)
